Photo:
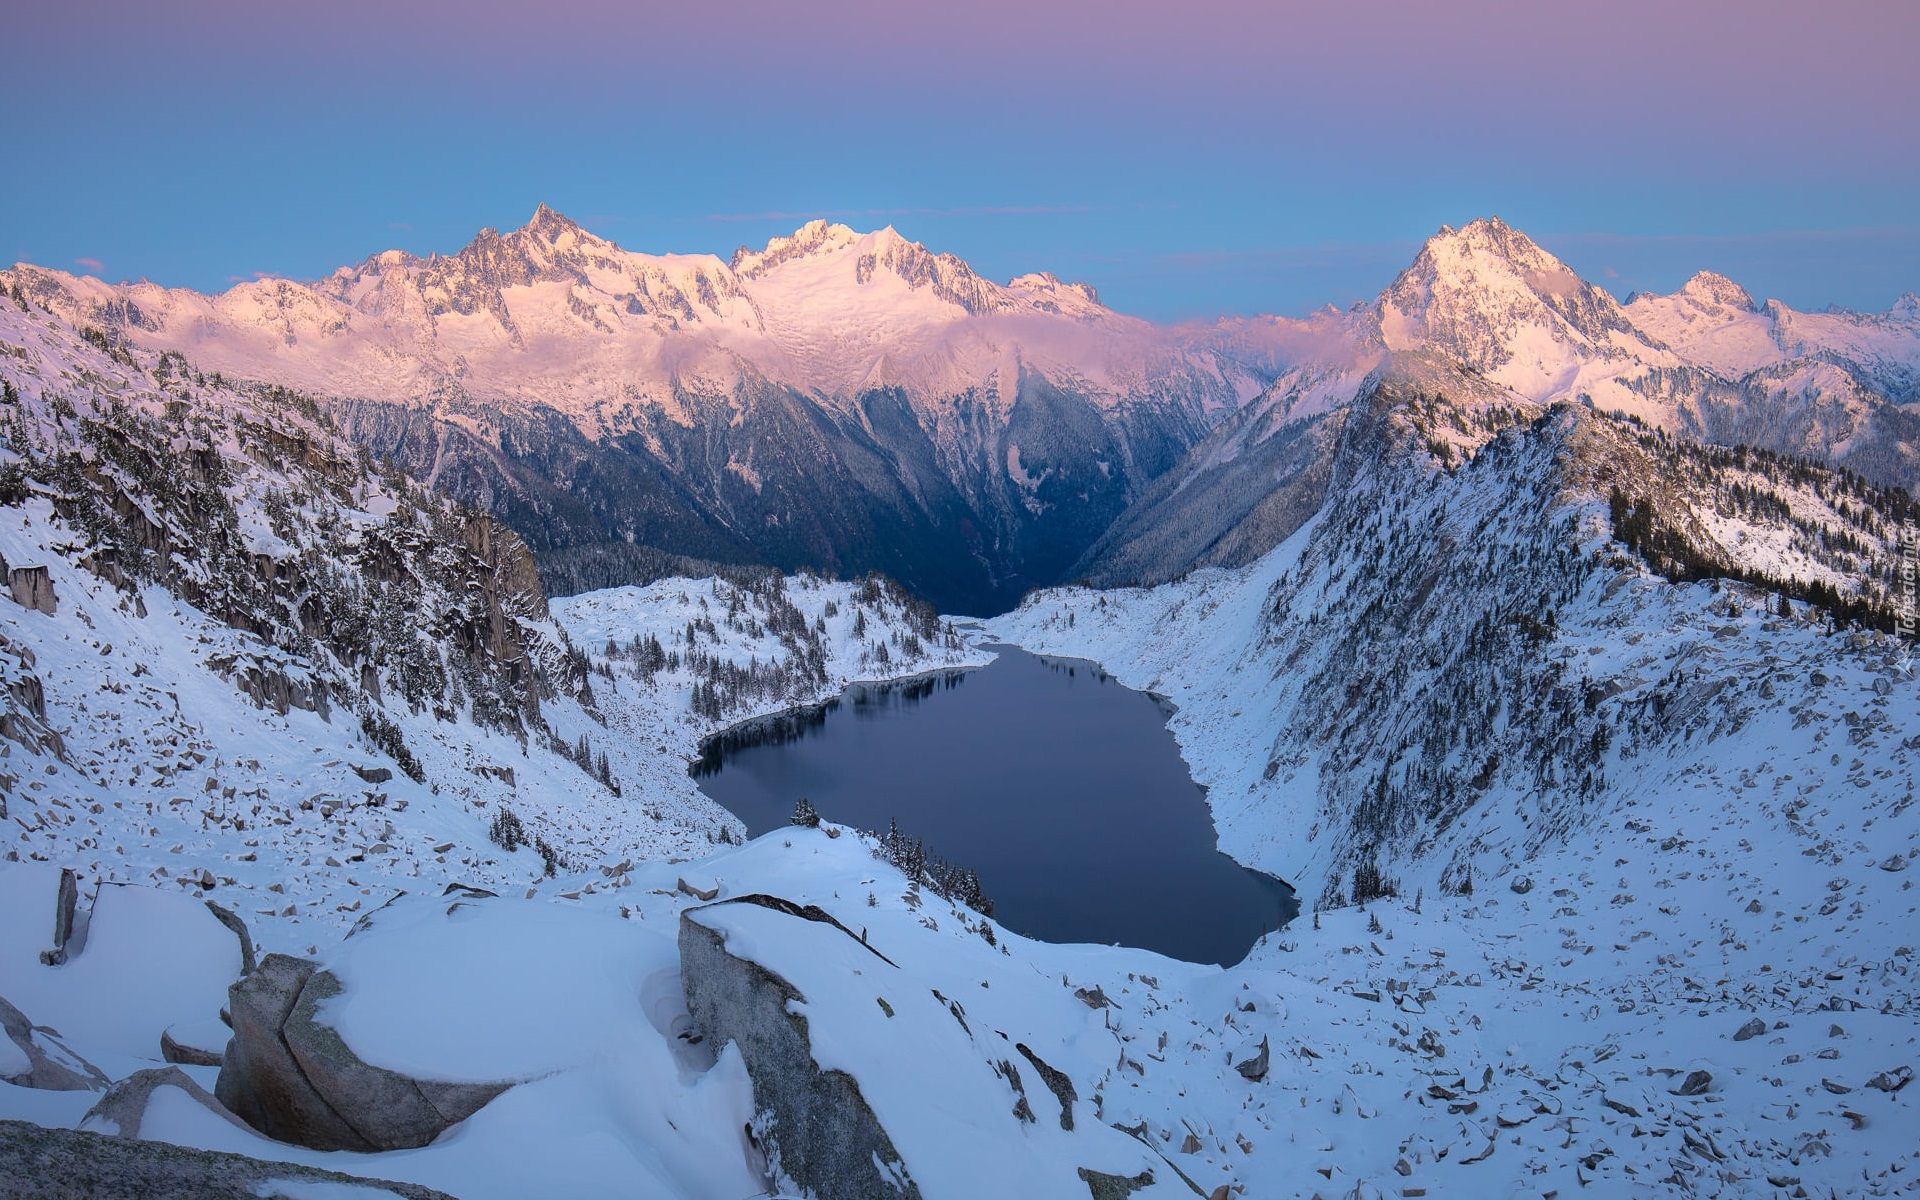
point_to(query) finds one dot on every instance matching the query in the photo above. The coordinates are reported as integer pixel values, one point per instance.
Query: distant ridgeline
(848, 402)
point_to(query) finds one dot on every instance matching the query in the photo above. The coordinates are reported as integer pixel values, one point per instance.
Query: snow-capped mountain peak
(1045, 291)
(1489, 296)
(815, 237)
(818, 263)
(1709, 289)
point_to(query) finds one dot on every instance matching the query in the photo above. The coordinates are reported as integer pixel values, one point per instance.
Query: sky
(1187, 159)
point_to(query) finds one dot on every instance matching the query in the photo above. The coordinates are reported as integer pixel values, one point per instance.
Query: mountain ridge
(1013, 435)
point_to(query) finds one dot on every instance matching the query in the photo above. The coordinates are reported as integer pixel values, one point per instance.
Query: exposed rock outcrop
(849, 1057)
(190, 1045)
(32, 588)
(69, 1164)
(232, 921)
(50, 1066)
(291, 1076)
(1254, 1069)
(67, 895)
(121, 1111)
(824, 1134)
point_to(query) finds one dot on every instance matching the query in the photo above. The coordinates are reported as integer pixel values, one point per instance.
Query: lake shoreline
(1061, 786)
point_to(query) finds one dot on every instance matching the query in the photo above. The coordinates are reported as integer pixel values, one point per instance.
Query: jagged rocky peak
(815, 237)
(864, 258)
(377, 265)
(1046, 292)
(1487, 251)
(1472, 290)
(1710, 290)
(550, 226)
(546, 244)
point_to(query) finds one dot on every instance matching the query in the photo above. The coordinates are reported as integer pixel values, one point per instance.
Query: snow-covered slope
(248, 620)
(1644, 812)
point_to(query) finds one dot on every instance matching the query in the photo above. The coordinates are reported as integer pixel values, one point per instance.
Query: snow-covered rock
(33, 1056)
(289, 1074)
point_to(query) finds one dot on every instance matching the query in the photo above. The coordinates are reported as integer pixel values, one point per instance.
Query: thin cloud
(91, 264)
(402, 226)
(995, 210)
(1330, 254)
(1769, 237)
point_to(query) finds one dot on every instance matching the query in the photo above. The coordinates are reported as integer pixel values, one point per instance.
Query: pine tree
(805, 815)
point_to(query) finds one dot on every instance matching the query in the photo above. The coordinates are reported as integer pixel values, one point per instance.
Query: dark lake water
(1064, 790)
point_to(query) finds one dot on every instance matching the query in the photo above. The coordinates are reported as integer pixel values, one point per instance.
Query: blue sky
(1186, 159)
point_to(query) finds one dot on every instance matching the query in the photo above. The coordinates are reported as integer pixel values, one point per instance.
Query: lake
(1064, 790)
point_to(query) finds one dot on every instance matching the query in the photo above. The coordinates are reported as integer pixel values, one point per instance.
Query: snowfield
(1508, 1043)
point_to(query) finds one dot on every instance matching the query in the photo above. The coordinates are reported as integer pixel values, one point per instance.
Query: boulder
(1094, 997)
(194, 1043)
(64, 901)
(290, 1075)
(33, 1056)
(259, 1081)
(1891, 1081)
(71, 1164)
(32, 588)
(1255, 1069)
(120, 1112)
(66, 897)
(390, 1110)
(1754, 1028)
(1695, 1084)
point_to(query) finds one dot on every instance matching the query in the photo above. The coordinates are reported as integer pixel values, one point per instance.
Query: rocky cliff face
(359, 589)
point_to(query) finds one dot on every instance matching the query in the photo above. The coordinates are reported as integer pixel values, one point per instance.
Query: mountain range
(853, 402)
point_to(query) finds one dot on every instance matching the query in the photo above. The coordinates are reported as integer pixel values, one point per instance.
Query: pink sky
(197, 141)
